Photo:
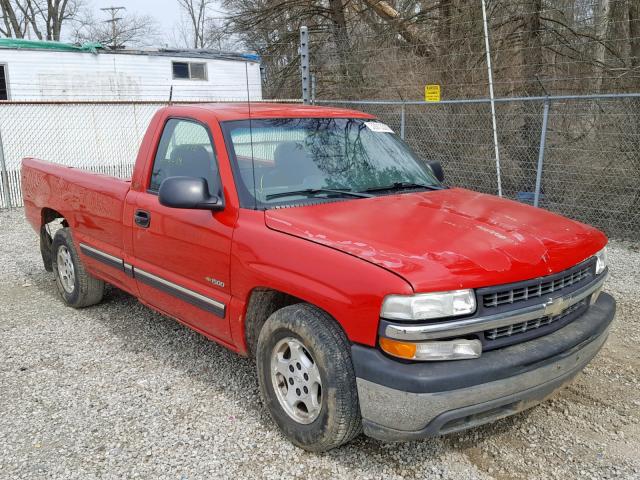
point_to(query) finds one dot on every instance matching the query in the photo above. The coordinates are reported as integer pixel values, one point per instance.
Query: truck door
(182, 256)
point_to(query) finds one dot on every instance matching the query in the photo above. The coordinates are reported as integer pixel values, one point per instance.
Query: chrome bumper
(552, 306)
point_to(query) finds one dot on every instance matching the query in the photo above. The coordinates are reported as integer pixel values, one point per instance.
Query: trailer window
(189, 71)
(4, 92)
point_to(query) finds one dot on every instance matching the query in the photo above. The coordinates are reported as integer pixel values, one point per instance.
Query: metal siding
(51, 75)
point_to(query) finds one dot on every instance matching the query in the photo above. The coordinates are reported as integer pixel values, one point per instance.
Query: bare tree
(552, 46)
(272, 29)
(20, 17)
(405, 27)
(48, 17)
(45, 18)
(197, 12)
(15, 22)
(219, 37)
(129, 30)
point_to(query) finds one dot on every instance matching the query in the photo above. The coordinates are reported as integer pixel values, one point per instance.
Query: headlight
(424, 306)
(601, 261)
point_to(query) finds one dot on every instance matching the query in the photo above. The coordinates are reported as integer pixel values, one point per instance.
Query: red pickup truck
(373, 297)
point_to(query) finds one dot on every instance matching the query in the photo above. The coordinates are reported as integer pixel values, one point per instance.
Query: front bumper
(405, 401)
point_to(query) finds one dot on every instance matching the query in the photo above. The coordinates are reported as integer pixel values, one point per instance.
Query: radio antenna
(253, 164)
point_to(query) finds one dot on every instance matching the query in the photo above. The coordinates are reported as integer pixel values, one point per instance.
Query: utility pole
(114, 35)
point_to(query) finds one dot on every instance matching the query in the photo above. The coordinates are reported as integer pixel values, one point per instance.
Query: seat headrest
(190, 161)
(289, 154)
(186, 154)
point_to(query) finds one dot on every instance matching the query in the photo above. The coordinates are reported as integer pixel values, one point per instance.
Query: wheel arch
(47, 216)
(262, 302)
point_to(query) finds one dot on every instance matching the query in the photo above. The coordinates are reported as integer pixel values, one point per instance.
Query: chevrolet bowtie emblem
(555, 306)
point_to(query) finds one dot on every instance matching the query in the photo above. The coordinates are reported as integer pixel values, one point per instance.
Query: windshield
(288, 160)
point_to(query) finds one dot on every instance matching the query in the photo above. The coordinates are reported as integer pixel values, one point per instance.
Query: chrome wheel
(296, 380)
(66, 272)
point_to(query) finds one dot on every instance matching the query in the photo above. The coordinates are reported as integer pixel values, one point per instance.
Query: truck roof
(241, 111)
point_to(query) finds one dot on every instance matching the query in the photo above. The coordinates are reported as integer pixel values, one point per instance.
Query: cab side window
(185, 150)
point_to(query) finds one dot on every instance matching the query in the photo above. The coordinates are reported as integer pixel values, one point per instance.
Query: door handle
(142, 218)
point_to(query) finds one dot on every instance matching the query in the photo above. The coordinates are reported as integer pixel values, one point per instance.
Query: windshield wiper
(315, 191)
(401, 186)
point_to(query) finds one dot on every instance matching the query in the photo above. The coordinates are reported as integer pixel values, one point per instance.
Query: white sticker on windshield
(378, 127)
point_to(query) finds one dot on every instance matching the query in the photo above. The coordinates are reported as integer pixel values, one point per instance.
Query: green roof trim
(90, 47)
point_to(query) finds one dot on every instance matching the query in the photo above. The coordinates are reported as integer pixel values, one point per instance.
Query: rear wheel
(77, 288)
(306, 378)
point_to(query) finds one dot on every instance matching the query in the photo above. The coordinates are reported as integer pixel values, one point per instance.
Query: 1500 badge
(215, 282)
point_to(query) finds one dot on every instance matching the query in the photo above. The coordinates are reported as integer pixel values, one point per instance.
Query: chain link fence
(589, 168)
(101, 137)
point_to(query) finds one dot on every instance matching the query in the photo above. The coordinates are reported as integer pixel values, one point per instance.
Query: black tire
(338, 420)
(87, 290)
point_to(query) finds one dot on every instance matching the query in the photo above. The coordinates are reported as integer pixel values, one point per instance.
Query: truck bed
(92, 203)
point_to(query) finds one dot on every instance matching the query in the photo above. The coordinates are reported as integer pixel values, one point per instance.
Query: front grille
(522, 327)
(536, 288)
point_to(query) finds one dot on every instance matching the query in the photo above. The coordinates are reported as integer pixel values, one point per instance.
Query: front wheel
(306, 378)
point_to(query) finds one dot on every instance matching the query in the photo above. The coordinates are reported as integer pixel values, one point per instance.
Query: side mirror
(188, 192)
(436, 168)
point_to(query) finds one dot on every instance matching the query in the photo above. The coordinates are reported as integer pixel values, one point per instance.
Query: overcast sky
(166, 12)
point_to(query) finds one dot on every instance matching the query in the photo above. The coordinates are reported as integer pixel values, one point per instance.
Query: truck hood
(446, 239)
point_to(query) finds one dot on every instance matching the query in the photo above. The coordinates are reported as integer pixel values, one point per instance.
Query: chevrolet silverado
(372, 296)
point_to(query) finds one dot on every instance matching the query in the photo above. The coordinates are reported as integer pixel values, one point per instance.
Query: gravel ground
(117, 390)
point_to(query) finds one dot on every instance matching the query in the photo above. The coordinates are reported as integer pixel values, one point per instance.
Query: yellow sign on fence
(432, 93)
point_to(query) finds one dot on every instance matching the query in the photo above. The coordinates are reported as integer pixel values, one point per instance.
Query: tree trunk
(532, 48)
(32, 19)
(10, 18)
(6, 31)
(521, 148)
(444, 26)
(29, 16)
(405, 29)
(602, 34)
(350, 70)
(634, 33)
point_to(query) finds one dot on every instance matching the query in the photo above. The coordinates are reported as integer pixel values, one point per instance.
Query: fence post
(402, 121)
(313, 88)
(491, 96)
(5, 176)
(304, 64)
(543, 141)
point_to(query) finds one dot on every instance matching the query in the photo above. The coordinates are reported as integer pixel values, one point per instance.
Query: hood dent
(452, 236)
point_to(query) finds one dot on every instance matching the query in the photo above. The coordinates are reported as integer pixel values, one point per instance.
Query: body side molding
(194, 298)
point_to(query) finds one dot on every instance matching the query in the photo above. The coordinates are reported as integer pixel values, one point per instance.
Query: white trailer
(41, 71)
(88, 107)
